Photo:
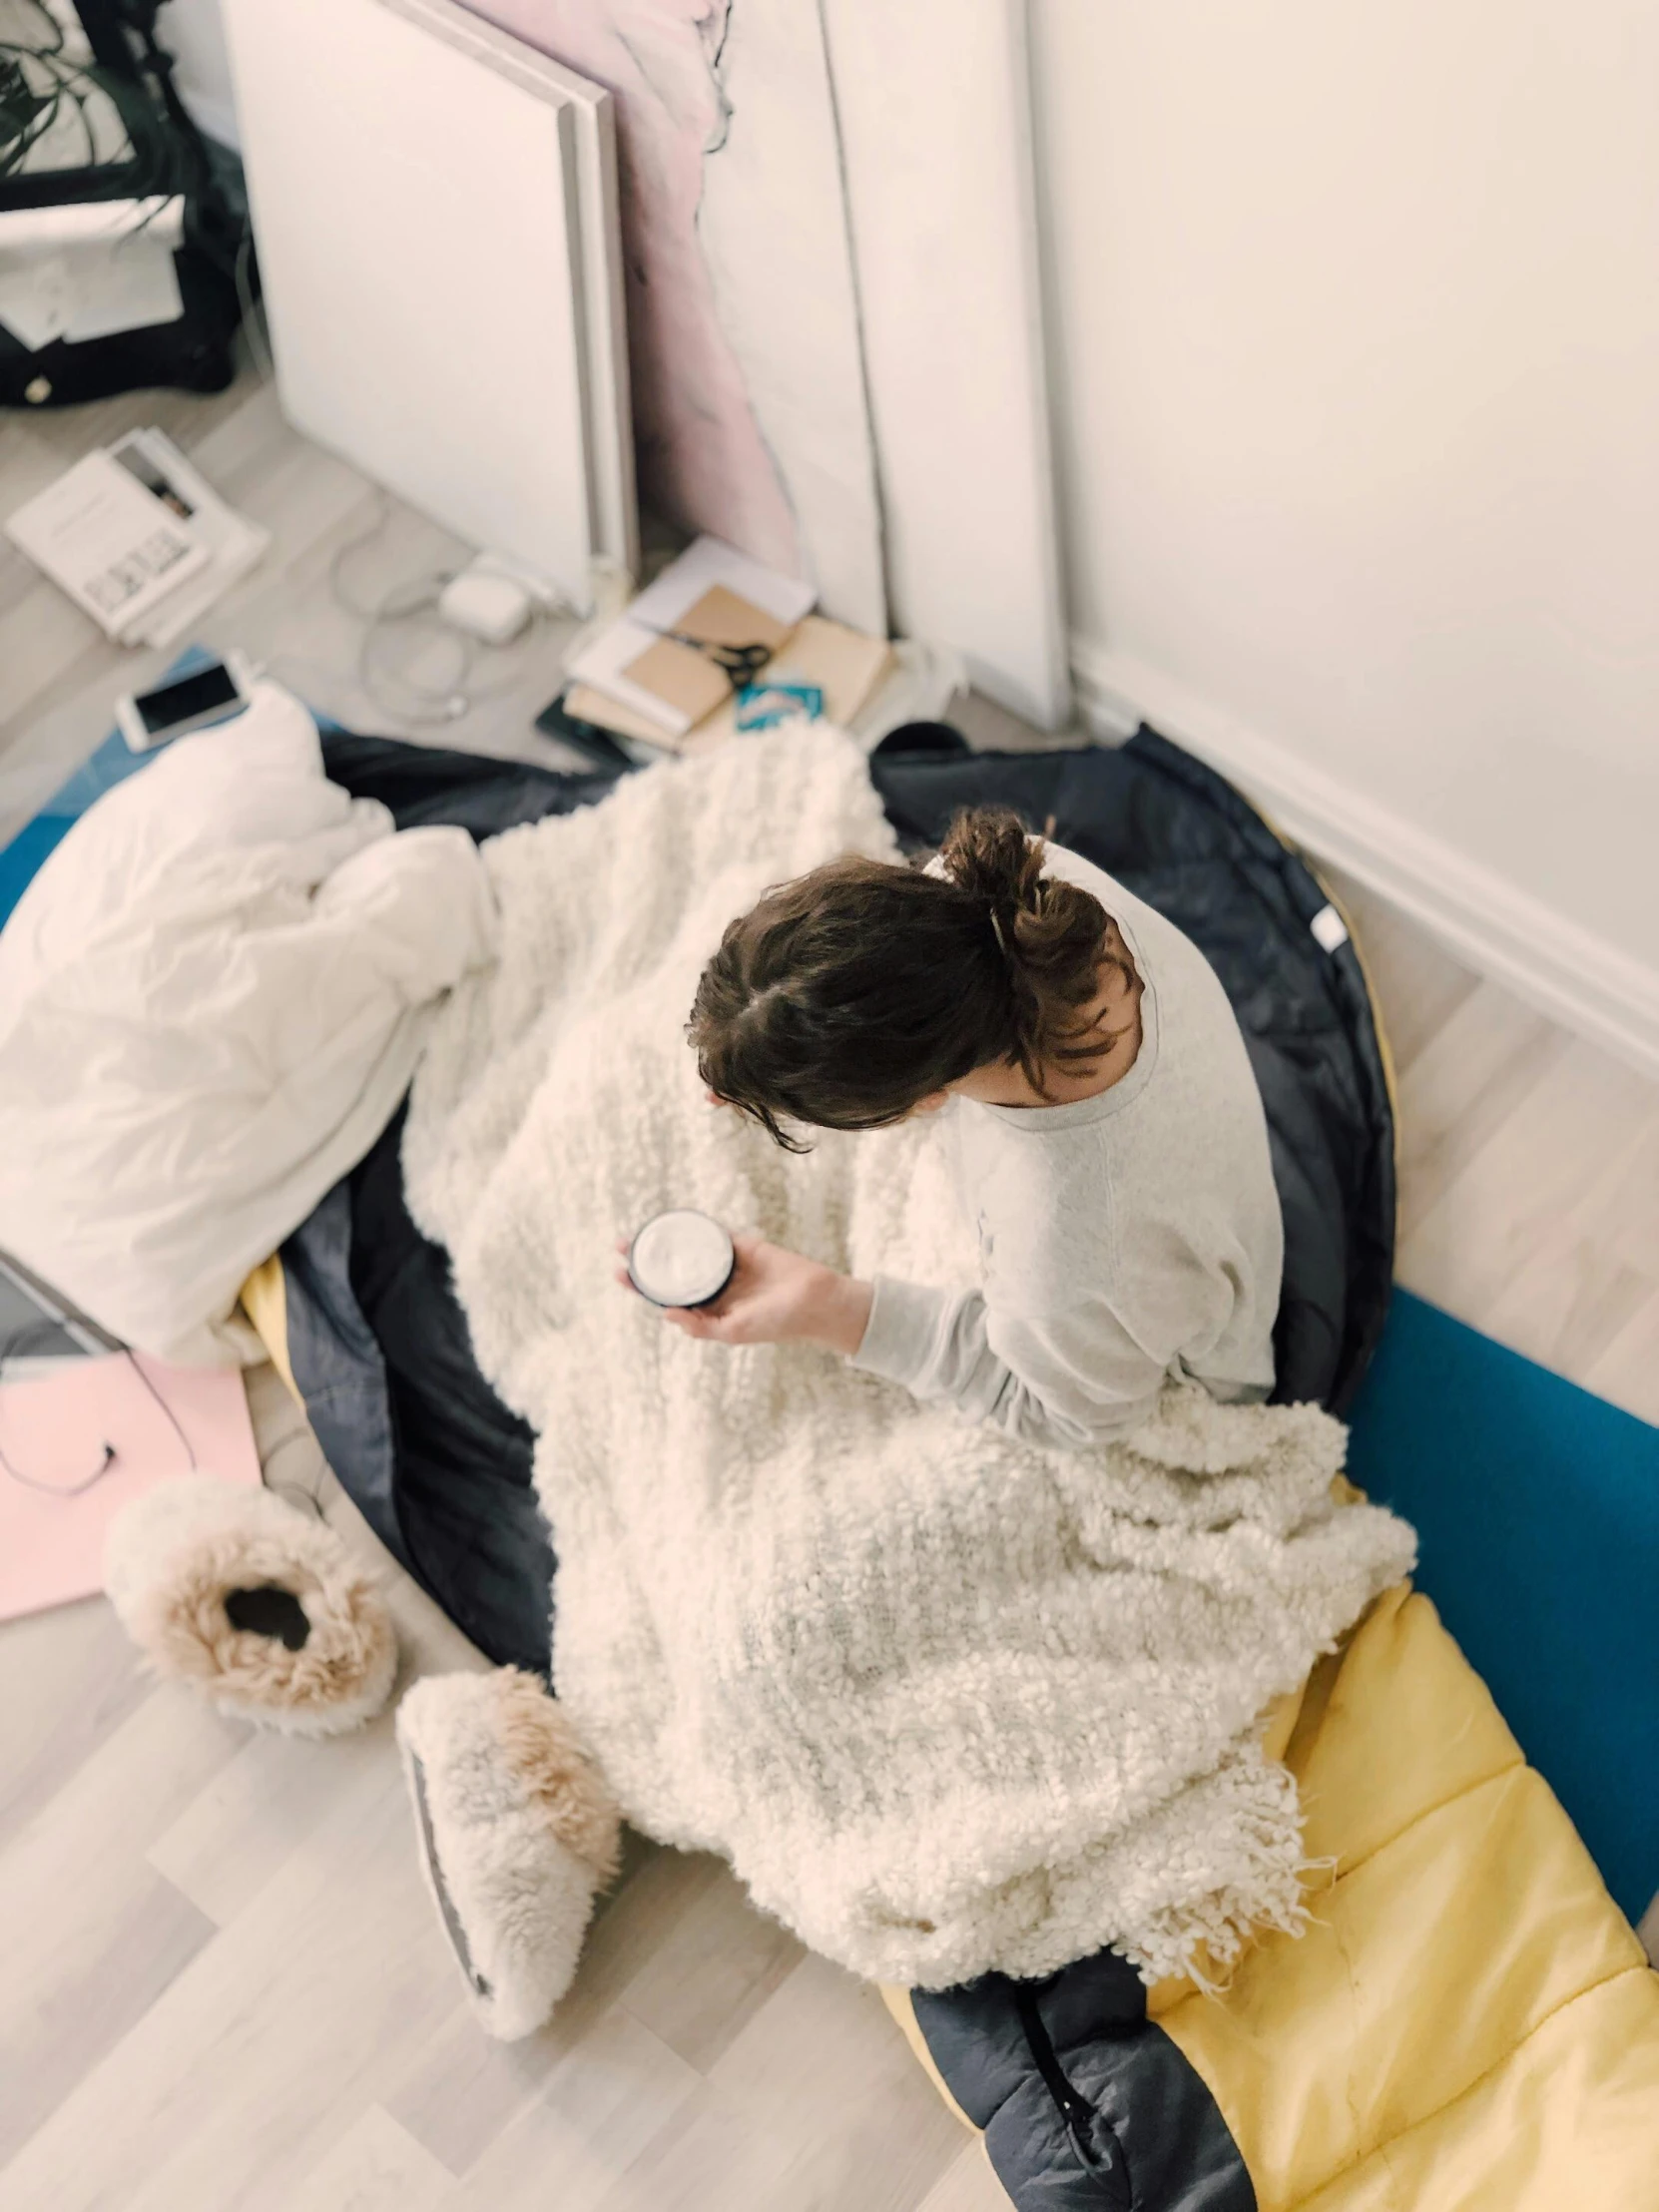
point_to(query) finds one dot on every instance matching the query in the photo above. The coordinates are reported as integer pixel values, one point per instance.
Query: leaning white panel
(413, 207)
(607, 410)
(774, 230)
(933, 103)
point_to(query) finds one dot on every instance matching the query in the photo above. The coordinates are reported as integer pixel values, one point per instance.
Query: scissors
(739, 663)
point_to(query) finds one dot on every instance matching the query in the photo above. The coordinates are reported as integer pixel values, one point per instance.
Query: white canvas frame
(774, 230)
(607, 410)
(423, 267)
(934, 108)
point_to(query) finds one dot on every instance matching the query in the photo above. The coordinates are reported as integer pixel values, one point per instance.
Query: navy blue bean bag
(379, 1348)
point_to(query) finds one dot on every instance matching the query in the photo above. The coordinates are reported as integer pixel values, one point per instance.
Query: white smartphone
(173, 710)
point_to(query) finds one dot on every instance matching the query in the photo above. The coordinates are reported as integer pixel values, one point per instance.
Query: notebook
(691, 682)
(707, 567)
(846, 667)
(162, 1421)
(108, 541)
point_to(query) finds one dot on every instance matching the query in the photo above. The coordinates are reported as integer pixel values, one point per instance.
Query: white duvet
(212, 998)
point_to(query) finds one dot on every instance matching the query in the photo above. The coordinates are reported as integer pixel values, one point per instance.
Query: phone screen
(160, 486)
(171, 704)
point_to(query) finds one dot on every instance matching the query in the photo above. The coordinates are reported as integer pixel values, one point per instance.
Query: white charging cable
(482, 604)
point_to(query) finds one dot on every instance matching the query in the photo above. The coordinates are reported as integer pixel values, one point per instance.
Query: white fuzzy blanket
(947, 1703)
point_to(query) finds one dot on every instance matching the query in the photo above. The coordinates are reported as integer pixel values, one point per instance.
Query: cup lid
(680, 1258)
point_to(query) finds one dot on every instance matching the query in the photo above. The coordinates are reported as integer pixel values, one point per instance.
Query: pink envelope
(52, 1431)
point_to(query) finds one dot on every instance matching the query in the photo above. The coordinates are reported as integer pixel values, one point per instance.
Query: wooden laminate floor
(222, 1987)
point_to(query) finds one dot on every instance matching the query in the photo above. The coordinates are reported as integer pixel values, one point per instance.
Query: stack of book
(718, 642)
(138, 539)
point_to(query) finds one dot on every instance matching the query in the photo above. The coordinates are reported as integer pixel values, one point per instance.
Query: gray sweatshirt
(1122, 1237)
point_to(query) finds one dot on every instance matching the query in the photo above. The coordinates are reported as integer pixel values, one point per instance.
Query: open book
(709, 622)
(138, 539)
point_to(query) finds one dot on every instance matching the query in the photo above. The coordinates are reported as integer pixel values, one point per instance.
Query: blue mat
(115, 760)
(23, 859)
(1538, 1510)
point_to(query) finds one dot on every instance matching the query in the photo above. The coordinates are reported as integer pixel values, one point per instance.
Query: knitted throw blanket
(947, 1703)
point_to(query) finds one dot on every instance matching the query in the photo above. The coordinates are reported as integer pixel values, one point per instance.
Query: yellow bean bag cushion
(1468, 2024)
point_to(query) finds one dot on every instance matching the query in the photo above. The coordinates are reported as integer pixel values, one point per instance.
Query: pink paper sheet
(54, 1430)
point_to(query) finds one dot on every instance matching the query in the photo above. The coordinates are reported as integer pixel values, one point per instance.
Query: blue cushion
(115, 760)
(1538, 1509)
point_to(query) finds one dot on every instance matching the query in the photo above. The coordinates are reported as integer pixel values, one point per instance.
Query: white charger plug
(485, 602)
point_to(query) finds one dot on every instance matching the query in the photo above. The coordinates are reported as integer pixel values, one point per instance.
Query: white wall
(1356, 331)
(1354, 340)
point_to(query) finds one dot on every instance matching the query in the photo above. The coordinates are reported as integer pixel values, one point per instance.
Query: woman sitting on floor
(1109, 1140)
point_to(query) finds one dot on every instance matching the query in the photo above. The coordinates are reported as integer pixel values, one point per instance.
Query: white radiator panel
(933, 103)
(413, 208)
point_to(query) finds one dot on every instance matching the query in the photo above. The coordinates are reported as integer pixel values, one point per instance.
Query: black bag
(167, 155)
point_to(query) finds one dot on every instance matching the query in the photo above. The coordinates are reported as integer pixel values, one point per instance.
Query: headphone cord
(111, 1454)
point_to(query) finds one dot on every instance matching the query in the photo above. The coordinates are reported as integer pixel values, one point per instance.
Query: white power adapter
(487, 601)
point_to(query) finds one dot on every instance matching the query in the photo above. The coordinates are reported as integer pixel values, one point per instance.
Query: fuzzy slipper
(518, 1833)
(252, 1602)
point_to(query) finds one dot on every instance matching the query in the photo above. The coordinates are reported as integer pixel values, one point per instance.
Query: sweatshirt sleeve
(1072, 1380)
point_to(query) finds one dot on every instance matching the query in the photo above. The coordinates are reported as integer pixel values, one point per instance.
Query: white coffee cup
(680, 1258)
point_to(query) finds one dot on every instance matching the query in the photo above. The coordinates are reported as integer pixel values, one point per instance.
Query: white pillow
(212, 998)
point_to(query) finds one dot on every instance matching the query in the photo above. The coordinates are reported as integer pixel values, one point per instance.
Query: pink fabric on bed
(52, 1431)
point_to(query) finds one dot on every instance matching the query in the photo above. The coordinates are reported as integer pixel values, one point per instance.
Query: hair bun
(988, 853)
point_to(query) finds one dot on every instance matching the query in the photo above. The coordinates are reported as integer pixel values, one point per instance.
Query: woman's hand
(775, 1297)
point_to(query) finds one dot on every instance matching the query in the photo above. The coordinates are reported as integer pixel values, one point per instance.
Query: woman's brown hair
(846, 997)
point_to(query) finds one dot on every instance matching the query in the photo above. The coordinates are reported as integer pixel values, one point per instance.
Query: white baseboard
(1566, 971)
